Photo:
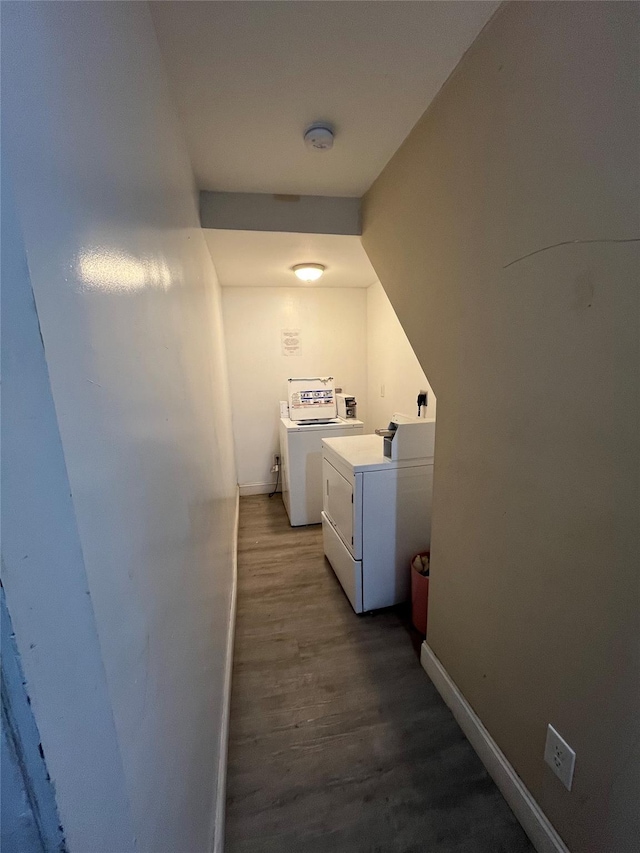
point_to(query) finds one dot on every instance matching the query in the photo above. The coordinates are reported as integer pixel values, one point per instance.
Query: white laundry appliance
(312, 407)
(377, 509)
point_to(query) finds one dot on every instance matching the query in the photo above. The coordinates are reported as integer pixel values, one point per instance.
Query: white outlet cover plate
(560, 757)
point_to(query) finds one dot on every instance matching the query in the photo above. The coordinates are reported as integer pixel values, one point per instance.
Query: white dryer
(377, 512)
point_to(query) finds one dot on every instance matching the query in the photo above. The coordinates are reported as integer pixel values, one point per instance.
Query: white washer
(301, 465)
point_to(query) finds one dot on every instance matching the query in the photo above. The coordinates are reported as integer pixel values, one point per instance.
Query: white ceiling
(265, 258)
(249, 77)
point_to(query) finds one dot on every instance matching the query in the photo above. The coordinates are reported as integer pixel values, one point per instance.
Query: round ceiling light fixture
(319, 136)
(308, 272)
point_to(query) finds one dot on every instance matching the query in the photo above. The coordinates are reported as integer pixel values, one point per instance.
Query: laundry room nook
(297, 330)
(316, 352)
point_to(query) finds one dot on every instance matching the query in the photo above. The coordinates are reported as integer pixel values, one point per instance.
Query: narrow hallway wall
(503, 233)
(131, 342)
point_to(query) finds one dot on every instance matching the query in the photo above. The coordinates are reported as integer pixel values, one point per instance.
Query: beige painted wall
(534, 599)
(392, 365)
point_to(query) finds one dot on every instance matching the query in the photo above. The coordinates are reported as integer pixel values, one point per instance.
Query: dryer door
(338, 502)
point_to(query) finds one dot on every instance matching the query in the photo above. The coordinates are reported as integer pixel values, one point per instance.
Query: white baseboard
(533, 820)
(256, 489)
(221, 792)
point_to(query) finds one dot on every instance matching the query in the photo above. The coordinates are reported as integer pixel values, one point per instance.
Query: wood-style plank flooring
(339, 741)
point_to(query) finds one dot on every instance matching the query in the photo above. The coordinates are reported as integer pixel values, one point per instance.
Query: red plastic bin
(419, 596)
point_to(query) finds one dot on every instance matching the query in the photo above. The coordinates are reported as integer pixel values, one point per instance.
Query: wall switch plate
(560, 757)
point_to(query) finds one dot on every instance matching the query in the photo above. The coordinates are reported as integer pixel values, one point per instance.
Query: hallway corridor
(338, 740)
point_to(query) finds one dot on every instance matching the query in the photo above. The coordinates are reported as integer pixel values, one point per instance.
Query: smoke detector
(319, 136)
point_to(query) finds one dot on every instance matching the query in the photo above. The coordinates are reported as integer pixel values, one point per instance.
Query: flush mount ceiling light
(308, 272)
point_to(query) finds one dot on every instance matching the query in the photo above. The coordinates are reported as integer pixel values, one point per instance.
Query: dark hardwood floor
(339, 741)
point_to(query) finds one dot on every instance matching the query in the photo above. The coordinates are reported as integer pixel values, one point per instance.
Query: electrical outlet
(560, 757)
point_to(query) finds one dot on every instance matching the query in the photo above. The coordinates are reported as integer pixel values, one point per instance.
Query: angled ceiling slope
(265, 258)
(249, 77)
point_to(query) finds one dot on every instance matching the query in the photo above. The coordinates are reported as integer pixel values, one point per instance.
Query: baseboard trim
(535, 823)
(256, 489)
(221, 792)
